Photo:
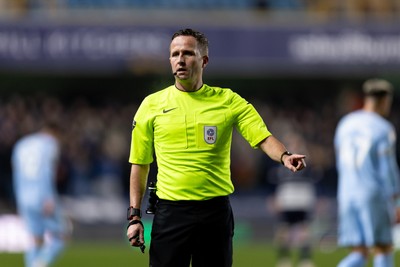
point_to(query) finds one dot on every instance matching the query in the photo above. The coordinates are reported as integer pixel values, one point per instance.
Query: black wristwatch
(132, 212)
(283, 154)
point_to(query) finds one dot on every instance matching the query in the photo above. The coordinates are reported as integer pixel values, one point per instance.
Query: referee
(188, 127)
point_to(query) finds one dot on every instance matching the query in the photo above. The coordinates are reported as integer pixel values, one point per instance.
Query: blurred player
(294, 203)
(368, 178)
(34, 161)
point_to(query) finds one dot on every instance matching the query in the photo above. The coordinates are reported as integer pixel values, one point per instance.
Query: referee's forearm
(273, 148)
(138, 182)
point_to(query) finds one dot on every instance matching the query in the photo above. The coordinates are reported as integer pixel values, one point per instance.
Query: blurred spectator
(372, 8)
(286, 4)
(14, 7)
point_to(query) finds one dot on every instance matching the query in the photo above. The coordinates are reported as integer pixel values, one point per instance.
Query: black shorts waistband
(211, 201)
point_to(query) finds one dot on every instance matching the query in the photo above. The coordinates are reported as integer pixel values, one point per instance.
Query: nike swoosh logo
(168, 110)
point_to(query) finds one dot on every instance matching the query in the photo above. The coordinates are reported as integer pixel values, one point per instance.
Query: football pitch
(120, 254)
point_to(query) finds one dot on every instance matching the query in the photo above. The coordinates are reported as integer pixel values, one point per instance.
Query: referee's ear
(205, 61)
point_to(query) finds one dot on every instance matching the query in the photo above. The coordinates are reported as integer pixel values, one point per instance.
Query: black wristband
(134, 222)
(283, 154)
(132, 212)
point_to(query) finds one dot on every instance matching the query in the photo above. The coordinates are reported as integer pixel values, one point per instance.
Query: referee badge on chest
(210, 134)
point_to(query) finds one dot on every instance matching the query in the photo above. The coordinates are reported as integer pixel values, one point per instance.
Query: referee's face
(186, 60)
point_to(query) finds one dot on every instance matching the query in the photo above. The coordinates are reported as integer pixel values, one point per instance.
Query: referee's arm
(278, 152)
(137, 189)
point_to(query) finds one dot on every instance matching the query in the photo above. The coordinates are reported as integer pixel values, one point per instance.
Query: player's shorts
(364, 223)
(294, 217)
(37, 224)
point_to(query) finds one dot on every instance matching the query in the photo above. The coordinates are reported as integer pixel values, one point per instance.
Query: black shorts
(196, 232)
(294, 217)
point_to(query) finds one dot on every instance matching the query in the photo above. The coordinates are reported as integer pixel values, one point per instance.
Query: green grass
(103, 254)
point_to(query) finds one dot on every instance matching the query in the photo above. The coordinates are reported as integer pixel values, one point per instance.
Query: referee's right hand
(135, 233)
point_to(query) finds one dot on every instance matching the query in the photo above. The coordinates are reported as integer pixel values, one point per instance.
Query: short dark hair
(377, 87)
(200, 38)
(52, 125)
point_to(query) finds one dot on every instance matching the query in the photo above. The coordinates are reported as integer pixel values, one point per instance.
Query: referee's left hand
(295, 162)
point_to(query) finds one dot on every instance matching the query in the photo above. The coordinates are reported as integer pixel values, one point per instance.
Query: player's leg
(283, 246)
(282, 239)
(304, 240)
(357, 258)
(377, 221)
(351, 234)
(383, 256)
(51, 249)
(32, 253)
(56, 235)
(34, 225)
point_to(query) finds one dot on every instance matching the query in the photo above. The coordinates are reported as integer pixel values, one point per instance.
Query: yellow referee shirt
(191, 134)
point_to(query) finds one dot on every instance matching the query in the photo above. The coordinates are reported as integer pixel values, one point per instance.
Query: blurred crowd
(95, 142)
(96, 139)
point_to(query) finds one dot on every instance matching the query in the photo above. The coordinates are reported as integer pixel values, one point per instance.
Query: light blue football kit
(34, 162)
(368, 181)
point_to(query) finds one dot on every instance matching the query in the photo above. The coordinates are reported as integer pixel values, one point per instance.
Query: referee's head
(200, 38)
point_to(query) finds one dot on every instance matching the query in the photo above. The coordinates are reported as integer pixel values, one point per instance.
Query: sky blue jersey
(366, 158)
(34, 162)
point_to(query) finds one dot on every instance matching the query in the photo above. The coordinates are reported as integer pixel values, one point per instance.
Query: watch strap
(132, 212)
